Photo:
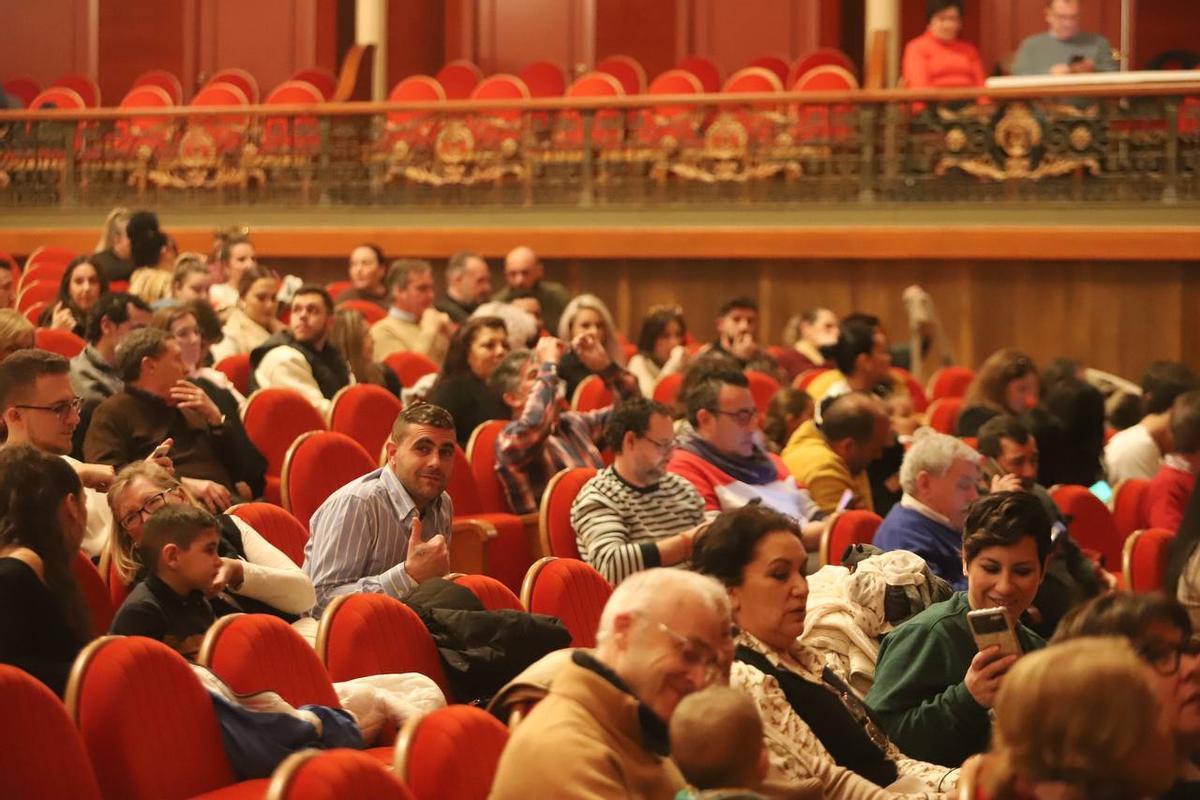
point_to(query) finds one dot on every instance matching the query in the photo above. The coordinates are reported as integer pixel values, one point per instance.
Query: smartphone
(159, 451)
(1102, 490)
(845, 499)
(990, 627)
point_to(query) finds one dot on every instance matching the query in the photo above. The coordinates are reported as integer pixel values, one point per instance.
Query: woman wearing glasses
(257, 576)
(816, 727)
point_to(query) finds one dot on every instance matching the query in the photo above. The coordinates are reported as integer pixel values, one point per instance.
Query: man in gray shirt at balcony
(1063, 49)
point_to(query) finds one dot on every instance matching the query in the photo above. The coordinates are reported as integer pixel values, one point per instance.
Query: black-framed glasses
(62, 410)
(742, 416)
(663, 447)
(692, 652)
(1165, 659)
(153, 503)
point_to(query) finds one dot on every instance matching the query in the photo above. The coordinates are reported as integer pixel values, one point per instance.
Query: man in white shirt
(1137, 451)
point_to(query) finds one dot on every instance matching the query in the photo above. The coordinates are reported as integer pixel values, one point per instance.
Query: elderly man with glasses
(634, 514)
(601, 731)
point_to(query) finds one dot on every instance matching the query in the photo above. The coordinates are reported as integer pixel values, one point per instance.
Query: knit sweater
(908, 529)
(1168, 494)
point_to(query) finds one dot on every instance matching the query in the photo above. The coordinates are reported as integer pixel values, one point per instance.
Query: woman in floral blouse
(816, 726)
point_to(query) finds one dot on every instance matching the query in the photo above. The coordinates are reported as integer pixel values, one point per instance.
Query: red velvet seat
(554, 515)
(481, 452)
(335, 288)
(237, 368)
(950, 382)
(225, 131)
(260, 652)
(498, 131)
(292, 134)
(508, 554)
(671, 125)
(161, 79)
(458, 79)
(274, 418)
(33, 312)
(851, 527)
(323, 80)
(83, 85)
(915, 390)
(1129, 505)
(806, 377)
(1092, 525)
(58, 97)
(143, 134)
(42, 754)
(36, 292)
(53, 257)
(335, 775)
(374, 634)
(819, 58)
(24, 89)
(591, 394)
(148, 725)
(773, 64)
(275, 525)
(371, 312)
(117, 589)
(410, 367)
(627, 70)
(943, 414)
(763, 387)
(570, 590)
(492, 593)
(1144, 559)
(412, 129)
(608, 125)
(666, 391)
(65, 343)
(317, 465)
(95, 593)
(450, 753)
(544, 79)
(365, 413)
(240, 78)
(705, 71)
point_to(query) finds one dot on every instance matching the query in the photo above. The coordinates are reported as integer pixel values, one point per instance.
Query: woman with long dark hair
(462, 389)
(80, 288)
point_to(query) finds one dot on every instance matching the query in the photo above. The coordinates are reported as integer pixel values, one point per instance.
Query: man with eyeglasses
(723, 457)
(601, 731)
(1063, 49)
(634, 515)
(41, 409)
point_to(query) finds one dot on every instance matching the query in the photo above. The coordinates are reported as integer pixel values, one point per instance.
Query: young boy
(179, 549)
(717, 743)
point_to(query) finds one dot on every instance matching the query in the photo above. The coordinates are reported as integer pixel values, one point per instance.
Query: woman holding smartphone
(934, 685)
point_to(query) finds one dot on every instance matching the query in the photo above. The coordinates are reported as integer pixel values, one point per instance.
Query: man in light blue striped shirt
(389, 530)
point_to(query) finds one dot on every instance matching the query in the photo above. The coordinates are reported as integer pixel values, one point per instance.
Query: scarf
(757, 469)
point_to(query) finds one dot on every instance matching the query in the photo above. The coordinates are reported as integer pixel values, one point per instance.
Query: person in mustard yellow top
(831, 458)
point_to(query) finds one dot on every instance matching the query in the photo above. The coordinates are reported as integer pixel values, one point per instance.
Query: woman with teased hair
(586, 314)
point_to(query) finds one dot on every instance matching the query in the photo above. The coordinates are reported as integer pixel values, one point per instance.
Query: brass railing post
(866, 161)
(323, 177)
(1170, 192)
(587, 195)
(68, 130)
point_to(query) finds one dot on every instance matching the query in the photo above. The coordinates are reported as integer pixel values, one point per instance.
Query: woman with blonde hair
(351, 335)
(586, 314)
(16, 332)
(1079, 720)
(254, 576)
(256, 317)
(114, 255)
(1006, 383)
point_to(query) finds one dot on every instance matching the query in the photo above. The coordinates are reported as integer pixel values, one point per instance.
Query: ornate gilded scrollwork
(457, 158)
(729, 154)
(1018, 151)
(198, 163)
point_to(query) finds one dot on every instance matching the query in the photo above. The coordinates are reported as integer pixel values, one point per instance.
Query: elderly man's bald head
(522, 268)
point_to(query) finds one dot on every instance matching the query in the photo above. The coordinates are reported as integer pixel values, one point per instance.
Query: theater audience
(254, 320)
(527, 301)
(933, 689)
(43, 620)
(157, 404)
(16, 332)
(737, 337)
(586, 314)
(831, 459)
(938, 58)
(788, 410)
(523, 270)
(634, 515)
(524, 330)
(389, 530)
(541, 439)
(1137, 451)
(468, 286)
(235, 255)
(810, 337)
(721, 456)
(1160, 632)
(80, 288)
(602, 729)
(862, 359)
(1064, 49)
(368, 277)
(717, 743)
(660, 350)
(180, 549)
(152, 285)
(254, 577)
(300, 357)
(1054, 740)
(1006, 383)
(476, 349)
(113, 252)
(191, 279)
(351, 336)
(816, 726)
(412, 322)
(1167, 497)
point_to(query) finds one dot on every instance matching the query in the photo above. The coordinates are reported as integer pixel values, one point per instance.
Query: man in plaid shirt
(542, 439)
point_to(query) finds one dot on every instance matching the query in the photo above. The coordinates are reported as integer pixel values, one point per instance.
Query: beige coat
(392, 334)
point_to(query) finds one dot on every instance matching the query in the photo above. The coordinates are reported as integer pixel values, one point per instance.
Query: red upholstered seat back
(144, 131)
(763, 387)
(259, 652)
(459, 79)
(773, 64)
(591, 393)
(462, 487)
(52, 258)
(65, 343)
(243, 80)
(508, 555)
(705, 71)
(118, 590)
(806, 377)
(915, 390)
(627, 70)
(317, 465)
(374, 634)
(324, 81)
(752, 80)
(481, 452)
(943, 414)
(410, 367)
(950, 382)
(84, 85)
(544, 79)
(274, 418)
(1129, 501)
(237, 368)
(819, 58)
(335, 775)
(371, 312)
(277, 526)
(296, 133)
(1092, 525)
(37, 291)
(161, 79)
(24, 89)
(365, 413)
(224, 130)
(666, 391)
(37, 732)
(95, 593)
(852, 527)
(1145, 559)
(492, 593)
(608, 126)
(554, 517)
(414, 89)
(501, 87)
(451, 753)
(146, 721)
(570, 590)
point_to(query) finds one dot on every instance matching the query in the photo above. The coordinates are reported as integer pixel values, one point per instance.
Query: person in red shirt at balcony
(936, 58)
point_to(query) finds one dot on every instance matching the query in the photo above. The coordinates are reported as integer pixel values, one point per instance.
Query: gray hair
(519, 323)
(506, 377)
(934, 453)
(457, 264)
(641, 591)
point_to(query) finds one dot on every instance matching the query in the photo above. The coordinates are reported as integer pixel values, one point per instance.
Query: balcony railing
(1138, 144)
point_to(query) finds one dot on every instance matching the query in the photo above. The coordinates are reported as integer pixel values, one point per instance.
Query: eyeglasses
(153, 503)
(741, 416)
(663, 447)
(63, 410)
(693, 653)
(1165, 659)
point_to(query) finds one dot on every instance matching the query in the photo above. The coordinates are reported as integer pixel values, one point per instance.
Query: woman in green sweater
(933, 689)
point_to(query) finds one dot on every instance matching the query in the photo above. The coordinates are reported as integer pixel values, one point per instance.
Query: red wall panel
(645, 31)
(140, 35)
(416, 42)
(44, 39)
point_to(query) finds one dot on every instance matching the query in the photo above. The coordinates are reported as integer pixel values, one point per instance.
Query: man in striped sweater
(634, 515)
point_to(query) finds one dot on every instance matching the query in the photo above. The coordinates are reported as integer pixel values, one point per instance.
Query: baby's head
(717, 740)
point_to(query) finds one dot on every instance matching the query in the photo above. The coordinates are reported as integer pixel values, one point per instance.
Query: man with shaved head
(523, 271)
